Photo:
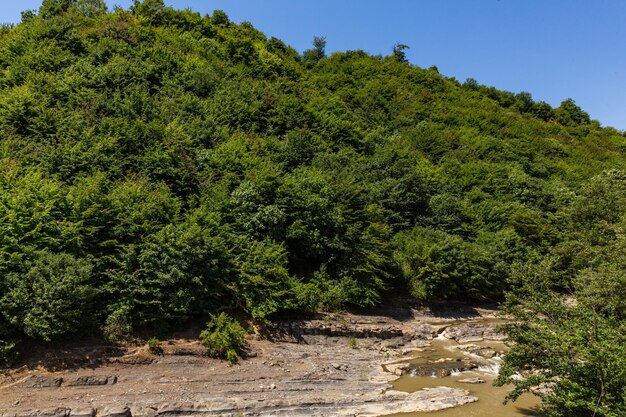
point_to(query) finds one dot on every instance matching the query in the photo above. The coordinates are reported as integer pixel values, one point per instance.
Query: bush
(7, 353)
(223, 337)
(117, 327)
(353, 343)
(154, 346)
(51, 298)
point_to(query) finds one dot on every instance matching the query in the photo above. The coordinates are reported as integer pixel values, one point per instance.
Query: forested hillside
(157, 166)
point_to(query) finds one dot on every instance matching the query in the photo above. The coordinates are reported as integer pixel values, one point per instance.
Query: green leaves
(158, 166)
(176, 273)
(51, 298)
(577, 350)
(223, 337)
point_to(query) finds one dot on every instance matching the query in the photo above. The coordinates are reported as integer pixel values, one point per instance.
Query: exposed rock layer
(311, 368)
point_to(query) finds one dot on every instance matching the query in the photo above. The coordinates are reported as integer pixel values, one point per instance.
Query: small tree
(223, 337)
(154, 346)
(52, 8)
(577, 348)
(91, 8)
(318, 51)
(399, 51)
(569, 114)
(220, 18)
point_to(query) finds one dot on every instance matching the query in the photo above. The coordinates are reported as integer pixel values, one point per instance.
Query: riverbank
(331, 365)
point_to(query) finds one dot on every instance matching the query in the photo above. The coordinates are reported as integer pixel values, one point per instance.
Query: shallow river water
(490, 398)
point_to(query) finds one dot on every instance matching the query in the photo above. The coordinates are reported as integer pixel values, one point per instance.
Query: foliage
(7, 353)
(399, 51)
(158, 166)
(51, 298)
(154, 346)
(570, 310)
(223, 337)
(577, 350)
(353, 343)
(318, 51)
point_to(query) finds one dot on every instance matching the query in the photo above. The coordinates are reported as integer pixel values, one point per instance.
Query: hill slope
(158, 166)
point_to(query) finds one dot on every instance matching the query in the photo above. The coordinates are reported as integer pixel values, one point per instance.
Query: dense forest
(158, 166)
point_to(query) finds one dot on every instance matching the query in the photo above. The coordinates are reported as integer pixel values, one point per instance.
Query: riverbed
(335, 364)
(443, 350)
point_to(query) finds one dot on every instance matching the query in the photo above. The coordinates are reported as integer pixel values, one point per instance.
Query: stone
(116, 411)
(472, 381)
(424, 331)
(144, 411)
(544, 388)
(85, 381)
(82, 412)
(398, 369)
(54, 412)
(40, 381)
(487, 353)
(441, 369)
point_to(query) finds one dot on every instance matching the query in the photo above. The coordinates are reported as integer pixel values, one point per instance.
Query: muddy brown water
(490, 398)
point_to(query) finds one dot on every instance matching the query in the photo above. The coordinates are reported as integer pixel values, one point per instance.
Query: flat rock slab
(391, 402)
(472, 381)
(86, 381)
(115, 411)
(41, 381)
(82, 412)
(473, 332)
(54, 412)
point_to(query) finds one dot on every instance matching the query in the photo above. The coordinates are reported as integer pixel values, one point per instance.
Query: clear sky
(553, 49)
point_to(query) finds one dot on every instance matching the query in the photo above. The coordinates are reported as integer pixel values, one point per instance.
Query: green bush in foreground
(154, 346)
(223, 337)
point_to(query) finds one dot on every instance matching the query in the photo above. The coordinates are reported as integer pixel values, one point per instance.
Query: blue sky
(553, 49)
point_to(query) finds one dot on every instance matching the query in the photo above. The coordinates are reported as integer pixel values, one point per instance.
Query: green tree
(399, 51)
(220, 18)
(91, 8)
(317, 53)
(575, 348)
(179, 272)
(52, 8)
(51, 298)
(569, 114)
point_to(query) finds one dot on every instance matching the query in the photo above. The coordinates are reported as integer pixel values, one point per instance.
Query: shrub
(223, 337)
(154, 346)
(353, 343)
(117, 327)
(51, 297)
(7, 353)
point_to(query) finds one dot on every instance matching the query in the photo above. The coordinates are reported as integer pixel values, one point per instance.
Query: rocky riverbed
(332, 365)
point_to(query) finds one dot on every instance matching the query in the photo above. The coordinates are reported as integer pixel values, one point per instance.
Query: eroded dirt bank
(310, 368)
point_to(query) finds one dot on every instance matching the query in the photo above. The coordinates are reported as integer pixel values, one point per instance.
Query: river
(445, 352)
